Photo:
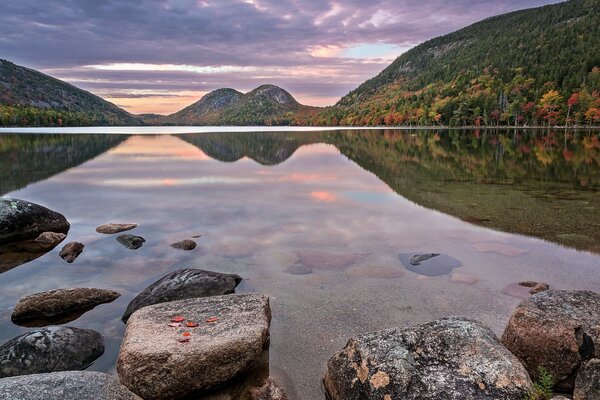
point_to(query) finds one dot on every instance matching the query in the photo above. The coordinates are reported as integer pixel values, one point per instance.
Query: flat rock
(499, 248)
(184, 245)
(322, 260)
(450, 358)
(556, 329)
(587, 384)
(55, 304)
(429, 264)
(183, 284)
(71, 251)
(45, 242)
(155, 364)
(463, 277)
(67, 385)
(50, 349)
(110, 229)
(21, 252)
(524, 290)
(132, 242)
(375, 272)
(20, 219)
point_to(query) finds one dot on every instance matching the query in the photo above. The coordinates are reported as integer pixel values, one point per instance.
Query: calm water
(510, 206)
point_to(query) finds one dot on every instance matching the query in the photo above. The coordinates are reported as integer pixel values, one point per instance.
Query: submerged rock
(557, 330)
(524, 290)
(299, 269)
(71, 251)
(449, 358)
(429, 264)
(21, 252)
(20, 219)
(50, 349)
(155, 364)
(132, 242)
(110, 229)
(67, 385)
(54, 304)
(184, 284)
(322, 260)
(184, 245)
(587, 384)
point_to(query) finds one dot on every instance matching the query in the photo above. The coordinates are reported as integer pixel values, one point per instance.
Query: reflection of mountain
(534, 183)
(264, 148)
(25, 159)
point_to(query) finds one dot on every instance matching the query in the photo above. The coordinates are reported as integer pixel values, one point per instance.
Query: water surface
(319, 221)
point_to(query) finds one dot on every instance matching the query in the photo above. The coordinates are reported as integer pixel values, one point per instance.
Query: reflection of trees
(267, 148)
(543, 184)
(30, 158)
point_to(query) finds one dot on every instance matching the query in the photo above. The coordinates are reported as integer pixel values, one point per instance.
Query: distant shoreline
(158, 130)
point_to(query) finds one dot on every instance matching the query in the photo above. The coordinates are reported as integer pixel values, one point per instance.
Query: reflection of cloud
(158, 147)
(151, 182)
(323, 196)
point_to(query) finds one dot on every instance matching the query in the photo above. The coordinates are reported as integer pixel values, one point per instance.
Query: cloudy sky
(160, 55)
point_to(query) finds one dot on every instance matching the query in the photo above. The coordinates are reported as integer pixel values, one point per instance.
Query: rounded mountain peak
(274, 93)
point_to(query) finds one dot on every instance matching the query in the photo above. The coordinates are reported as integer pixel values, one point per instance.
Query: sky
(158, 56)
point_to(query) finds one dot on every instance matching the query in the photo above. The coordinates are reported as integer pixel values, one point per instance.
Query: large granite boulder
(160, 360)
(20, 219)
(449, 358)
(183, 284)
(67, 385)
(58, 303)
(557, 330)
(587, 383)
(50, 349)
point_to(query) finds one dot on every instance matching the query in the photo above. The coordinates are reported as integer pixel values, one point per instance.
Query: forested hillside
(532, 67)
(30, 98)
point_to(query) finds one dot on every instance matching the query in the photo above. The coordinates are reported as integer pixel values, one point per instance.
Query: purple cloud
(311, 47)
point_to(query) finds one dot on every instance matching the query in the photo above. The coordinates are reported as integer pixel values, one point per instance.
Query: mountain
(265, 105)
(521, 67)
(30, 98)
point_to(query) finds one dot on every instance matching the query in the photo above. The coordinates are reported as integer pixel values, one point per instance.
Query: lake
(321, 221)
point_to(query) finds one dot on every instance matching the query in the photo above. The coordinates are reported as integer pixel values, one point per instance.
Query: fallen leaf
(174, 325)
(187, 334)
(191, 324)
(178, 318)
(212, 319)
(183, 340)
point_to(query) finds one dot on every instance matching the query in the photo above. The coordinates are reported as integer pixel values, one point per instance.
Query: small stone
(539, 287)
(184, 245)
(43, 243)
(110, 229)
(71, 251)
(429, 264)
(50, 349)
(132, 242)
(463, 278)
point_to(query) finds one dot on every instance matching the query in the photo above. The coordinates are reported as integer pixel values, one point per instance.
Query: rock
(71, 251)
(463, 277)
(539, 287)
(429, 264)
(558, 330)
(21, 219)
(110, 229)
(500, 248)
(449, 358)
(269, 391)
(55, 304)
(299, 269)
(44, 242)
(132, 242)
(184, 245)
(587, 383)
(321, 260)
(154, 364)
(375, 272)
(183, 284)
(50, 349)
(20, 252)
(67, 385)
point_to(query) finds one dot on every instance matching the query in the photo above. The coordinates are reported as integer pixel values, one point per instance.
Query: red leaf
(191, 324)
(187, 334)
(212, 320)
(178, 318)
(174, 325)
